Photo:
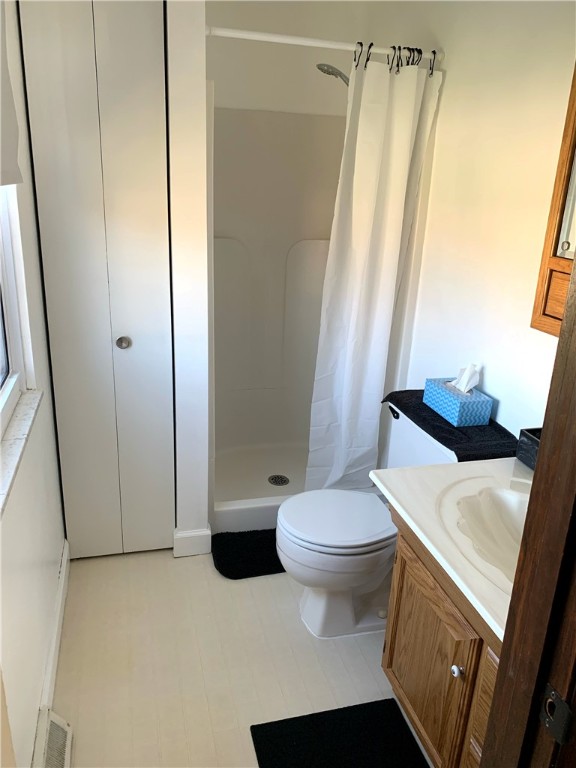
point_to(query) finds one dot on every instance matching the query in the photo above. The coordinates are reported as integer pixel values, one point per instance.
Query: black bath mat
(246, 553)
(362, 736)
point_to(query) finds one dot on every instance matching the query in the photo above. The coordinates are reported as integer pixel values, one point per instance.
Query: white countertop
(426, 499)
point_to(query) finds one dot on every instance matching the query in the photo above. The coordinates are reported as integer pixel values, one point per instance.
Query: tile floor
(164, 662)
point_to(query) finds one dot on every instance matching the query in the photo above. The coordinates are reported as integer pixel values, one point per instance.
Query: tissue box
(462, 410)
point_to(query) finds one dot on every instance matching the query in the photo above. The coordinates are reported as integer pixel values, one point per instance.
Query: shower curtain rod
(309, 42)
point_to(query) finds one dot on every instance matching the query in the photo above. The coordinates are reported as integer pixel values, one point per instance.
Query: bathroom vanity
(459, 532)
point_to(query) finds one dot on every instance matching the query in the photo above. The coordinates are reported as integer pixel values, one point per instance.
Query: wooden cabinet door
(481, 703)
(556, 264)
(426, 637)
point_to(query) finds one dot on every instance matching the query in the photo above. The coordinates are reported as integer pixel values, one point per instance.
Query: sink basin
(493, 519)
(485, 520)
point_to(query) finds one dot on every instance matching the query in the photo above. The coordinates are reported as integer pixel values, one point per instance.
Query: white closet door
(95, 76)
(58, 43)
(130, 66)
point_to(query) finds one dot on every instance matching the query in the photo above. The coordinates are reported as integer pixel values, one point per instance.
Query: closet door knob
(456, 671)
(123, 342)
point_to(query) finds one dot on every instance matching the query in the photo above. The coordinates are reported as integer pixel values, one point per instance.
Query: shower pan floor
(244, 499)
(243, 472)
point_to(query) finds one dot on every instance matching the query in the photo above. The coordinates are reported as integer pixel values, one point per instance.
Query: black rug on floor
(372, 735)
(246, 553)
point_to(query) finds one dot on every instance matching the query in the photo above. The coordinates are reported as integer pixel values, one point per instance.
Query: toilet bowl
(340, 546)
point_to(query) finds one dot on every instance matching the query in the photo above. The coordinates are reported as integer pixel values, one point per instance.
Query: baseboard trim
(198, 542)
(54, 650)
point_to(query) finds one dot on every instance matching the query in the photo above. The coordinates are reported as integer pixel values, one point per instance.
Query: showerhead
(328, 69)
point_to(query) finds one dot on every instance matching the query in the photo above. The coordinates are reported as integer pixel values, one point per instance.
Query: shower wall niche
(275, 181)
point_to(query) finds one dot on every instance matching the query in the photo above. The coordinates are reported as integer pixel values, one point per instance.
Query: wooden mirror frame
(554, 275)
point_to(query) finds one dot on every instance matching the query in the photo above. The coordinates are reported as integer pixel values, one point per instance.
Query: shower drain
(278, 480)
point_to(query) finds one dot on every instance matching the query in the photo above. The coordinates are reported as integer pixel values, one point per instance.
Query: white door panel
(63, 107)
(132, 114)
(97, 113)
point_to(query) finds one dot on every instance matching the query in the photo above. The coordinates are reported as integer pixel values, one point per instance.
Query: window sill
(9, 397)
(14, 441)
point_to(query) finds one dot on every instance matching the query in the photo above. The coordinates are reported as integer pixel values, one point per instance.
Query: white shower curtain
(389, 122)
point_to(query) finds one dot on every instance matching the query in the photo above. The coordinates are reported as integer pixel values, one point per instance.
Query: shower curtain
(389, 122)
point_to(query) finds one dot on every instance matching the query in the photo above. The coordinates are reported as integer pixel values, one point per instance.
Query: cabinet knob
(456, 671)
(123, 342)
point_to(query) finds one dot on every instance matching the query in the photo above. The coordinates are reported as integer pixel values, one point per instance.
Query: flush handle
(123, 342)
(456, 671)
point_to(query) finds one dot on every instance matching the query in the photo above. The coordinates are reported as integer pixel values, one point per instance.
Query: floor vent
(53, 745)
(278, 480)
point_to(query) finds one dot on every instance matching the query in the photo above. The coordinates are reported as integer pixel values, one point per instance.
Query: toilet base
(329, 613)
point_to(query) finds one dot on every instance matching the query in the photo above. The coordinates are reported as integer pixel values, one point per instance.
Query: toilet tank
(410, 446)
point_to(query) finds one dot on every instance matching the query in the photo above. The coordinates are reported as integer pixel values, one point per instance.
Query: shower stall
(275, 182)
(278, 152)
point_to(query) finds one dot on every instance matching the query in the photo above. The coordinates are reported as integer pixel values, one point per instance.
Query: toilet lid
(337, 519)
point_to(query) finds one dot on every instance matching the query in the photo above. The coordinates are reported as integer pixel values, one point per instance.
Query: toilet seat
(337, 522)
(336, 564)
(338, 551)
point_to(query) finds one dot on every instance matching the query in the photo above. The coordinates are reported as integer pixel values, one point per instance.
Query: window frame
(20, 376)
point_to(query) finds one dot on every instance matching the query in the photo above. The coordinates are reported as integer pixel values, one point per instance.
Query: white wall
(31, 529)
(191, 273)
(494, 166)
(508, 68)
(32, 542)
(275, 180)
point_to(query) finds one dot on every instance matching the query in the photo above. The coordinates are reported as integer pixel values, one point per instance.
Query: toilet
(340, 546)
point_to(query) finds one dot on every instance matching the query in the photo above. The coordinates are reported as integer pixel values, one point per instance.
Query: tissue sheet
(461, 409)
(467, 378)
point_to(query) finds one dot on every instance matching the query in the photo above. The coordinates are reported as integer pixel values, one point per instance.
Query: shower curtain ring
(393, 57)
(358, 53)
(432, 63)
(399, 60)
(368, 54)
